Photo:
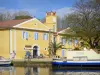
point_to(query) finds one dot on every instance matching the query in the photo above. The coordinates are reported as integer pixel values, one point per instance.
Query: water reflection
(77, 72)
(35, 70)
(28, 71)
(7, 70)
(44, 71)
(31, 70)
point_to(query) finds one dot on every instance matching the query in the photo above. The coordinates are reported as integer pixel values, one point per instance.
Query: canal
(46, 71)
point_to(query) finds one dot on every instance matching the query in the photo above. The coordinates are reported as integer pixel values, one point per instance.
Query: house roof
(67, 31)
(11, 23)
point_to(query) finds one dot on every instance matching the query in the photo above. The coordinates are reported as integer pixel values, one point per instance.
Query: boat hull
(5, 63)
(77, 63)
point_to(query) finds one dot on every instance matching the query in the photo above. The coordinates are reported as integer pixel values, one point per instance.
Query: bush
(76, 48)
(22, 17)
(98, 47)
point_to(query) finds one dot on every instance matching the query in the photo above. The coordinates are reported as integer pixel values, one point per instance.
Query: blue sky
(38, 8)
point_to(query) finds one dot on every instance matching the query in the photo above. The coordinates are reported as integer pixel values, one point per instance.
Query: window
(63, 41)
(35, 24)
(45, 48)
(76, 41)
(35, 35)
(45, 36)
(23, 34)
(69, 41)
(26, 35)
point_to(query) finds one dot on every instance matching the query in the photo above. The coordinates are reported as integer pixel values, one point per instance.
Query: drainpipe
(10, 42)
(15, 42)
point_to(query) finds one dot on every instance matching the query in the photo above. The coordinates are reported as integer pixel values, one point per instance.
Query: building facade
(31, 35)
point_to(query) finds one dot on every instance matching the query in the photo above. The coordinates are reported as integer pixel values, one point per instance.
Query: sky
(38, 8)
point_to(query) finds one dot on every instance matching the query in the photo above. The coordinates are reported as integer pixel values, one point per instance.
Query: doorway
(35, 51)
(63, 52)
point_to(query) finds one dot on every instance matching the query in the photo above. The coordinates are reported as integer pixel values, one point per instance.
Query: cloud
(64, 11)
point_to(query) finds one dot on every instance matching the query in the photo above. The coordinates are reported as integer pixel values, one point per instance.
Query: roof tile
(11, 23)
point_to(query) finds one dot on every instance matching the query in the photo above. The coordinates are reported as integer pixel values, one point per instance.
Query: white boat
(72, 63)
(4, 62)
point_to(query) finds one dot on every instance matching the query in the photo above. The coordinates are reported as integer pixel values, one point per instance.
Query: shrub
(76, 48)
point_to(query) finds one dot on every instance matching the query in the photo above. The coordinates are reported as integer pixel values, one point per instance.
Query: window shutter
(26, 35)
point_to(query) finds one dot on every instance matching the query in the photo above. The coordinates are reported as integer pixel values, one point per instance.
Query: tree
(6, 15)
(22, 15)
(85, 21)
(53, 47)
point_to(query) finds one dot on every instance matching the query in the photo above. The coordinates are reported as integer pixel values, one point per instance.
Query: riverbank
(39, 61)
(32, 62)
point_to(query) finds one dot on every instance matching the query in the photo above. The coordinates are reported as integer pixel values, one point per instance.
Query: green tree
(85, 21)
(53, 47)
(22, 17)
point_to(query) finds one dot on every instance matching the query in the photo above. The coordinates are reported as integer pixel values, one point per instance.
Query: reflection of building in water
(83, 73)
(12, 71)
(31, 70)
(35, 70)
(59, 73)
(28, 71)
(44, 71)
(76, 73)
(7, 71)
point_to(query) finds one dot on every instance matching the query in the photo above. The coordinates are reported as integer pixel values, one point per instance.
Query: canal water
(45, 71)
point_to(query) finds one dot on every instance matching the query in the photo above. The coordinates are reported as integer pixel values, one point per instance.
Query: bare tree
(6, 15)
(85, 21)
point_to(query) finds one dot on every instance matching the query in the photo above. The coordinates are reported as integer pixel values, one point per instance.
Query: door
(63, 54)
(35, 51)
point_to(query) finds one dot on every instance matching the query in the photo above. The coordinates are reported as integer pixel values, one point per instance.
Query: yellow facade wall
(34, 24)
(4, 43)
(20, 43)
(51, 22)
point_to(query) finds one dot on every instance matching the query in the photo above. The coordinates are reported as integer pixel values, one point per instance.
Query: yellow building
(28, 34)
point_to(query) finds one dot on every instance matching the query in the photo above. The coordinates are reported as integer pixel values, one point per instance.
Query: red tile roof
(11, 23)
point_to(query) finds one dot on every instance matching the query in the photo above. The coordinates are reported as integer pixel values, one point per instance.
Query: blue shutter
(23, 34)
(63, 52)
(76, 41)
(46, 36)
(35, 35)
(26, 35)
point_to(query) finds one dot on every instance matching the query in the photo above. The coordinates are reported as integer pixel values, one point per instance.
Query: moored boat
(68, 63)
(4, 62)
